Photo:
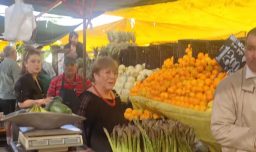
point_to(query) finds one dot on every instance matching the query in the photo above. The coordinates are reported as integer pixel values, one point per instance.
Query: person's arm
(89, 111)
(22, 93)
(29, 102)
(224, 116)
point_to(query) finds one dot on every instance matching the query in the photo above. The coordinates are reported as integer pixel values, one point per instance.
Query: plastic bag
(19, 22)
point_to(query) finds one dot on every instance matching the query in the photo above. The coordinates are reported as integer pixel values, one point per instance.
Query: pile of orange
(139, 114)
(190, 83)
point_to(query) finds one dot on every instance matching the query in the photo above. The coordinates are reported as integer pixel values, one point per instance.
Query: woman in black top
(101, 106)
(28, 88)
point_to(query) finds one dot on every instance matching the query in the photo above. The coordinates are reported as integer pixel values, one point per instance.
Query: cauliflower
(139, 67)
(131, 79)
(128, 85)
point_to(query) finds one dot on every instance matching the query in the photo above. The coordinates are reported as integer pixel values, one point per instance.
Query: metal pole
(84, 43)
(50, 7)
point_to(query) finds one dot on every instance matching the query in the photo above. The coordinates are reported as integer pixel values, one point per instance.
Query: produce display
(53, 116)
(55, 105)
(139, 114)
(190, 83)
(36, 108)
(128, 77)
(152, 136)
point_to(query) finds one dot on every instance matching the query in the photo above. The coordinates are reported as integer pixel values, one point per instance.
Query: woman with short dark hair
(101, 106)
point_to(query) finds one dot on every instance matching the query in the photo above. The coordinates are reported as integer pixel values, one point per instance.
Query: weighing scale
(51, 140)
(42, 134)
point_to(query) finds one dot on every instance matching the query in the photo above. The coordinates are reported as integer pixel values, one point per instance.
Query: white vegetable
(124, 95)
(125, 92)
(134, 73)
(128, 85)
(128, 77)
(120, 72)
(119, 85)
(148, 72)
(130, 68)
(141, 77)
(131, 79)
(124, 98)
(118, 89)
(122, 78)
(144, 65)
(121, 67)
(139, 67)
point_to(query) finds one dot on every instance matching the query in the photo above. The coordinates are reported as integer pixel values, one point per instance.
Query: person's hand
(47, 100)
(44, 101)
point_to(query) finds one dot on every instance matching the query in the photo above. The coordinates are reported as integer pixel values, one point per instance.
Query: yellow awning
(230, 15)
(3, 44)
(183, 19)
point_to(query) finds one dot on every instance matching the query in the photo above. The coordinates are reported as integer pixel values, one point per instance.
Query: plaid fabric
(56, 83)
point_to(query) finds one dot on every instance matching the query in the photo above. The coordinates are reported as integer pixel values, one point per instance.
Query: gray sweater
(9, 74)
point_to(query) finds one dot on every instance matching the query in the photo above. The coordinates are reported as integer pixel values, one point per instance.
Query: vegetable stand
(200, 121)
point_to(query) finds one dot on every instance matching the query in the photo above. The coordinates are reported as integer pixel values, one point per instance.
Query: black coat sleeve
(89, 110)
(21, 90)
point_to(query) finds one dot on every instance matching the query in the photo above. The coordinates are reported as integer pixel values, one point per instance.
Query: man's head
(70, 67)
(10, 52)
(73, 38)
(250, 51)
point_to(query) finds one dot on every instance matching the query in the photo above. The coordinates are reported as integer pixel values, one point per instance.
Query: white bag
(19, 22)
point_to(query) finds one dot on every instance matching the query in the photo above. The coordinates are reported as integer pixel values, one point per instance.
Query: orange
(128, 110)
(200, 55)
(208, 81)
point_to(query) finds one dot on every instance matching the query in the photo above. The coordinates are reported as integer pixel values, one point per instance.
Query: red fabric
(56, 83)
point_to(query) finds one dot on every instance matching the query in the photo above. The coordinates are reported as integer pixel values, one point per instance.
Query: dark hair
(29, 50)
(103, 63)
(71, 34)
(251, 32)
(69, 60)
(8, 51)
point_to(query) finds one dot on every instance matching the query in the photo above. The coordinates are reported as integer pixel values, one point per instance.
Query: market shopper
(9, 74)
(29, 89)
(74, 49)
(101, 106)
(68, 85)
(234, 110)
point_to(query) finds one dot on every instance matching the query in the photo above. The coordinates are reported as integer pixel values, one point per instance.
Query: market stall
(181, 90)
(45, 129)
